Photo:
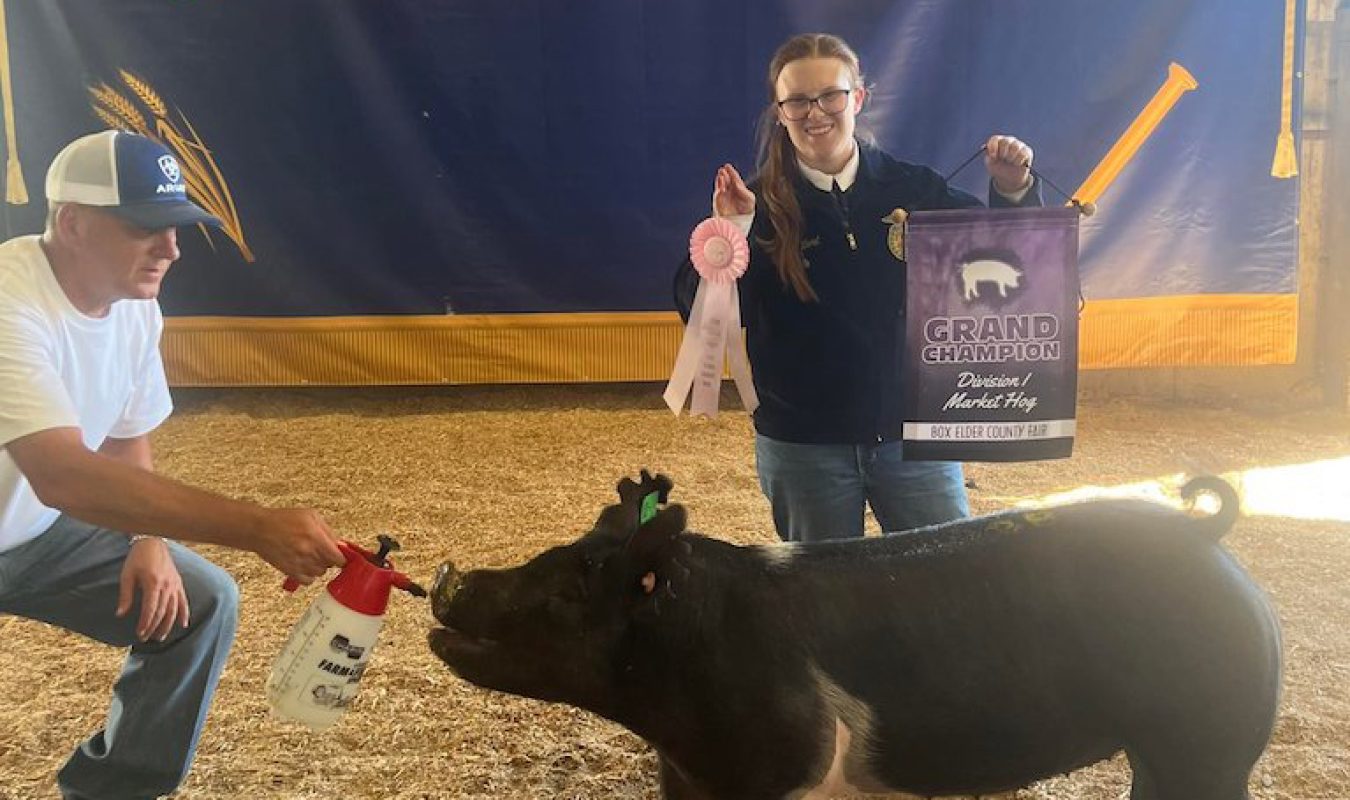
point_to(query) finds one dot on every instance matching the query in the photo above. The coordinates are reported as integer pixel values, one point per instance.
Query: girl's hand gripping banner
(720, 255)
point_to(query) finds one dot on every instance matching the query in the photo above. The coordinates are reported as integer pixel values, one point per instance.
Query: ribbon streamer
(720, 255)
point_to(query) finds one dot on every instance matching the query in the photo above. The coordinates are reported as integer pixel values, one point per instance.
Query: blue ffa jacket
(828, 372)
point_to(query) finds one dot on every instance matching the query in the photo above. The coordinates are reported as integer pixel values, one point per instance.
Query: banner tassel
(16, 193)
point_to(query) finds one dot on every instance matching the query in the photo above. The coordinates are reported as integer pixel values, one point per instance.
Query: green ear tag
(648, 508)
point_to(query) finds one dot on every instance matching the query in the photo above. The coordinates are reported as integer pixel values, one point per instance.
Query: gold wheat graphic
(117, 108)
(205, 183)
(146, 94)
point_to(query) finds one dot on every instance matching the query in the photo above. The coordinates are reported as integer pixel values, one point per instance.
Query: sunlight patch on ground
(1313, 490)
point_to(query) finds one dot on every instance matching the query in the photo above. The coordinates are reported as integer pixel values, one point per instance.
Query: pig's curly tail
(1217, 524)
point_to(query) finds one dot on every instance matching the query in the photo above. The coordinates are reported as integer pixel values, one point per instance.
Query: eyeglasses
(796, 109)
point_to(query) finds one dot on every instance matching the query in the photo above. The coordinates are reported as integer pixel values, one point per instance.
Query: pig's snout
(443, 588)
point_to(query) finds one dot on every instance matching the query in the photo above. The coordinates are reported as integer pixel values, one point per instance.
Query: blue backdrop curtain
(433, 156)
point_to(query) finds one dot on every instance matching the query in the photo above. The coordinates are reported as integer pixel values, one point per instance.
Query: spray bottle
(319, 670)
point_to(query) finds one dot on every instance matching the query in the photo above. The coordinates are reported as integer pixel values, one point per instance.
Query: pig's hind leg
(1173, 777)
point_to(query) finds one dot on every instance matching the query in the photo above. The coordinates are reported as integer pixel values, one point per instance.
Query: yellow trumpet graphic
(1285, 164)
(1178, 82)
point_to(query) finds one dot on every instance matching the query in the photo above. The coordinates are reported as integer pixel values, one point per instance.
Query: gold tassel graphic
(205, 183)
(1286, 158)
(15, 191)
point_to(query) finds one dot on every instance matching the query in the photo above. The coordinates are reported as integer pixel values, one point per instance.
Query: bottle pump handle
(378, 559)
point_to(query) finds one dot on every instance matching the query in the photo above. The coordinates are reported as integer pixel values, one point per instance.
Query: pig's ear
(654, 561)
(635, 493)
(661, 484)
(656, 534)
(637, 500)
(617, 521)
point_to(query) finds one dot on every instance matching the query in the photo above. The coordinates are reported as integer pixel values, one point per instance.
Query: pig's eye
(591, 575)
(592, 567)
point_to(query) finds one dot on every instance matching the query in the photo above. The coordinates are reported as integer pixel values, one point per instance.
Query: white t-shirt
(60, 368)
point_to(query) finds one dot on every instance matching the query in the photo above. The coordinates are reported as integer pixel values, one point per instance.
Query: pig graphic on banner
(988, 270)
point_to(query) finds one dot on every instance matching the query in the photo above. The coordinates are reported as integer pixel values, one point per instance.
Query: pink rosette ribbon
(720, 254)
(719, 250)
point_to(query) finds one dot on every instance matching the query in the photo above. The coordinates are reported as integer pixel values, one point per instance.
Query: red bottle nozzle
(363, 583)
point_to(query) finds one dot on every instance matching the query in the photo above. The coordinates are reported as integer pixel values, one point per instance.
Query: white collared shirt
(825, 181)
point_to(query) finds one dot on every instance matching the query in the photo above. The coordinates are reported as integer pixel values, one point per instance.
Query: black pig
(970, 658)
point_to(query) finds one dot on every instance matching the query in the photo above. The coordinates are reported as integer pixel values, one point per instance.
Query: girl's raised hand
(730, 194)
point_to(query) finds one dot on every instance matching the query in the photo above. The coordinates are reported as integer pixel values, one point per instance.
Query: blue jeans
(68, 577)
(819, 491)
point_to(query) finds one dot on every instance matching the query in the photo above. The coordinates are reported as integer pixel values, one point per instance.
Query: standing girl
(823, 299)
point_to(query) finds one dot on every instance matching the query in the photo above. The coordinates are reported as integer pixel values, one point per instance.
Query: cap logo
(169, 166)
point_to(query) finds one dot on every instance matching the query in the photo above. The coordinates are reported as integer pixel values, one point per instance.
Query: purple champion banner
(991, 361)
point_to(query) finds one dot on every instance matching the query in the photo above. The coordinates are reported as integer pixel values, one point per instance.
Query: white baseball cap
(126, 174)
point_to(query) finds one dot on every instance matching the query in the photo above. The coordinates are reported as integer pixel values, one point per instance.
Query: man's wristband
(136, 537)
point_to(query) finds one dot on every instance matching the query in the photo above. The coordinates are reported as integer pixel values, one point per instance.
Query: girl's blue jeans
(820, 491)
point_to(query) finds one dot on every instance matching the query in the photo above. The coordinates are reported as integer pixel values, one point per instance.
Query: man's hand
(149, 571)
(730, 194)
(1009, 162)
(297, 542)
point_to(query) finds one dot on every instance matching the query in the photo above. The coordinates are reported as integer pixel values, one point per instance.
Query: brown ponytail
(777, 161)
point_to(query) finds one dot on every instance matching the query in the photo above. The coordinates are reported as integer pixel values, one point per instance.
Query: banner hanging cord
(1086, 209)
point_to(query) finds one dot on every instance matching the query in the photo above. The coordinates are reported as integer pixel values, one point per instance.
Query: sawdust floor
(491, 475)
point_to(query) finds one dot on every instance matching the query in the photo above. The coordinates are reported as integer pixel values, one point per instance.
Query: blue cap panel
(147, 172)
